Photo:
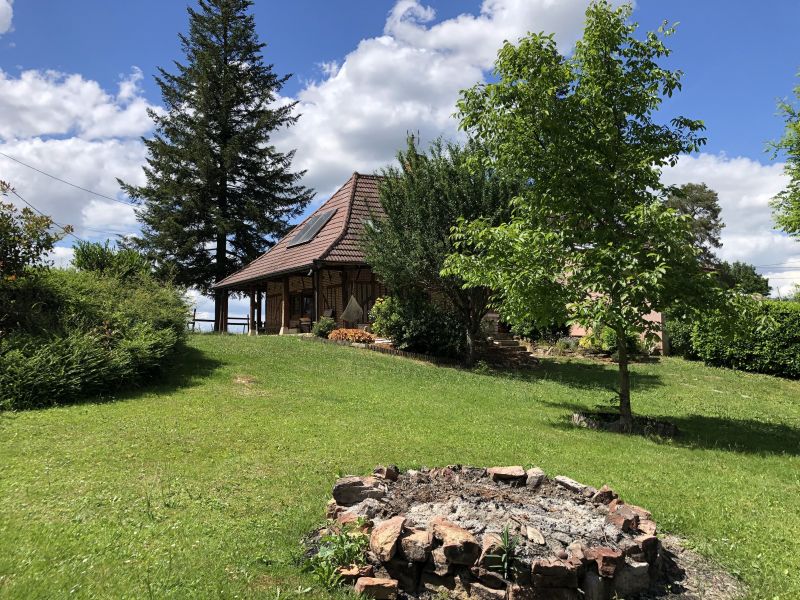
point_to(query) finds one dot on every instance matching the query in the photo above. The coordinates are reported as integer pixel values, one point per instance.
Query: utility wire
(62, 227)
(65, 181)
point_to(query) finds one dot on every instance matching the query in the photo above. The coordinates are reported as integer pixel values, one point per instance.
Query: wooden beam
(315, 285)
(251, 323)
(285, 306)
(259, 320)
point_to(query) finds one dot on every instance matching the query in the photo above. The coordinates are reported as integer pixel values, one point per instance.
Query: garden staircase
(503, 349)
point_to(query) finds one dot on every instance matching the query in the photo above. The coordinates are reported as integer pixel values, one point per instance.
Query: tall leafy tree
(786, 204)
(218, 193)
(743, 277)
(701, 204)
(592, 223)
(423, 199)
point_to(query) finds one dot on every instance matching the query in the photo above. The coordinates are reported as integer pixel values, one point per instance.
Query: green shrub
(323, 327)
(680, 337)
(760, 336)
(67, 335)
(418, 325)
(604, 341)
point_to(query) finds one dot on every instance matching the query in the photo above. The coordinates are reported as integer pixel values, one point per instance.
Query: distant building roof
(338, 239)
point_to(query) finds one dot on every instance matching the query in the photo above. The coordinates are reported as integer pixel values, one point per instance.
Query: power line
(62, 227)
(65, 181)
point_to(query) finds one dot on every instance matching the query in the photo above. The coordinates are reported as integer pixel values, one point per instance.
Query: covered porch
(293, 302)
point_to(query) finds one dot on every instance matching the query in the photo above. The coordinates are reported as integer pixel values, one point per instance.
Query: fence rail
(191, 324)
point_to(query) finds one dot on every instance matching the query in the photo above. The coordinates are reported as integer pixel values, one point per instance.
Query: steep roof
(338, 241)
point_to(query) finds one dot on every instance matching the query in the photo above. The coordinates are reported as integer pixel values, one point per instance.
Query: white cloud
(6, 14)
(50, 103)
(61, 256)
(408, 81)
(745, 187)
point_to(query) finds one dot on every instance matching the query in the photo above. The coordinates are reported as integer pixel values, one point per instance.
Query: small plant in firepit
(341, 547)
(503, 560)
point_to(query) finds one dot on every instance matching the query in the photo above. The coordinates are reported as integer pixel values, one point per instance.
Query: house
(318, 268)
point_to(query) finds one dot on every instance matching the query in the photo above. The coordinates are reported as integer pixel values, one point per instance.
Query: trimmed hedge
(69, 335)
(763, 338)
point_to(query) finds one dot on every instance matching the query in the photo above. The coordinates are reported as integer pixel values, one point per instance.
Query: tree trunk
(469, 356)
(625, 415)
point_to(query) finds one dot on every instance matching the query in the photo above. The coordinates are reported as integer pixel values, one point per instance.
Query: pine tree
(218, 193)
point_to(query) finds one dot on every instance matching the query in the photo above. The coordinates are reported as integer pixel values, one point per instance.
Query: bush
(323, 327)
(604, 341)
(351, 335)
(418, 325)
(68, 335)
(680, 337)
(760, 336)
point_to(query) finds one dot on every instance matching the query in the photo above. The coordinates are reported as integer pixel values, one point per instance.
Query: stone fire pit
(438, 533)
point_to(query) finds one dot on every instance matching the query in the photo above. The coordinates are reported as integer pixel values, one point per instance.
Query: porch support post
(224, 312)
(315, 285)
(259, 320)
(251, 322)
(285, 307)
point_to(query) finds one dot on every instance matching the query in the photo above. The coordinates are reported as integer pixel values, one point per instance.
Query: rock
(647, 526)
(642, 513)
(490, 545)
(459, 545)
(570, 484)
(507, 474)
(575, 552)
(437, 563)
(352, 490)
(534, 535)
(383, 541)
(595, 587)
(332, 509)
(489, 578)
(353, 572)
(416, 545)
(482, 592)
(554, 573)
(350, 518)
(520, 592)
(633, 578)
(649, 545)
(534, 477)
(604, 495)
(608, 560)
(612, 506)
(390, 473)
(433, 583)
(378, 588)
(405, 572)
(623, 518)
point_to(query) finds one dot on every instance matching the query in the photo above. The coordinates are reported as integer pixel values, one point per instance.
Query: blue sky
(77, 77)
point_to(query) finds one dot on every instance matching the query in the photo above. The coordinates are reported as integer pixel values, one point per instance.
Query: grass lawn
(203, 486)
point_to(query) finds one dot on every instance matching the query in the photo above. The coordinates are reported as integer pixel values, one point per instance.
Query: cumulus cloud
(745, 187)
(6, 14)
(407, 81)
(39, 103)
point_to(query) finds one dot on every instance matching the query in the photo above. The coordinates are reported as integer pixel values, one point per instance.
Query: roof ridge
(354, 178)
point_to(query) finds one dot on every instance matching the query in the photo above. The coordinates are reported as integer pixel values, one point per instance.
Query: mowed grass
(203, 486)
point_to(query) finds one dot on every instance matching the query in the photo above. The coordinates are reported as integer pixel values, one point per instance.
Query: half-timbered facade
(317, 269)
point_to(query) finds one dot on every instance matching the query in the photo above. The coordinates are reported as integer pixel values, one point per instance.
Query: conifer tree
(217, 192)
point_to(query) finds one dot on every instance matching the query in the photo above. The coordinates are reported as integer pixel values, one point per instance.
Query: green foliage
(25, 238)
(591, 232)
(323, 327)
(701, 204)
(69, 335)
(761, 336)
(503, 561)
(338, 548)
(423, 199)
(742, 277)
(417, 325)
(123, 263)
(217, 193)
(786, 205)
(680, 337)
(604, 340)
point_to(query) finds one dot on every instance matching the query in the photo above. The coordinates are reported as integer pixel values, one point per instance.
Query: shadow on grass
(704, 432)
(583, 375)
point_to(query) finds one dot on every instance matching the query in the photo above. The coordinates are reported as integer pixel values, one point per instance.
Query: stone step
(505, 342)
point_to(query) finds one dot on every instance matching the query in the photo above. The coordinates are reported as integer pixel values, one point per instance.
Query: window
(309, 231)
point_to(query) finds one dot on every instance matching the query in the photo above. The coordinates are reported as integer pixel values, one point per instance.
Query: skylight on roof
(310, 230)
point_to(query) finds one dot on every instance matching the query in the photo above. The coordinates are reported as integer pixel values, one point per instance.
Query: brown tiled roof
(337, 242)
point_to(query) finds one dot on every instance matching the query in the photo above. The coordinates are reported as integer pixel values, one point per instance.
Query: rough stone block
(383, 541)
(554, 573)
(459, 545)
(534, 477)
(608, 560)
(633, 578)
(507, 474)
(377, 588)
(352, 490)
(416, 545)
(570, 484)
